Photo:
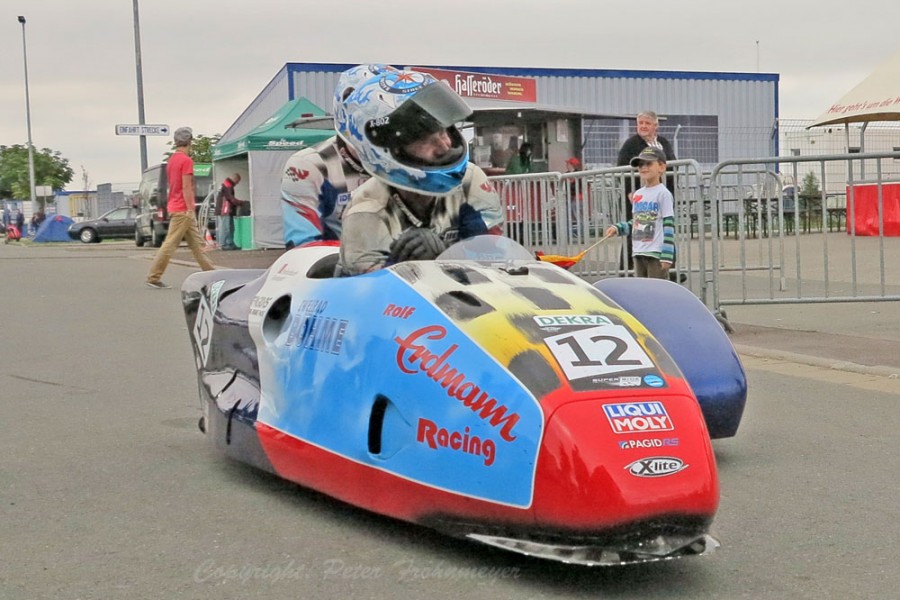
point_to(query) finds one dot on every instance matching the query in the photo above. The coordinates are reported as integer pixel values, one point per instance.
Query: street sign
(142, 130)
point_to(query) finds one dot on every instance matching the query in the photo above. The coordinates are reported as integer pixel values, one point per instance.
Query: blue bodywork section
(696, 342)
(403, 389)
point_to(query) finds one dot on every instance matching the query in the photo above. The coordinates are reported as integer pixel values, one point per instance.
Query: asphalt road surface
(108, 490)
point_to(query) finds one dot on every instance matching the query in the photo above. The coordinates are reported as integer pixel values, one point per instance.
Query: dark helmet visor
(432, 109)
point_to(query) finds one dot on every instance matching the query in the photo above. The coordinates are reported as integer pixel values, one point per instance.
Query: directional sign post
(142, 130)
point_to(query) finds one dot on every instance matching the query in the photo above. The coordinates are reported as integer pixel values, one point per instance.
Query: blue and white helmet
(348, 81)
(393, 109)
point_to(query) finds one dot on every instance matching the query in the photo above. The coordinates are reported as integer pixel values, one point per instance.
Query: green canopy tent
(259, 156)
(274, 133)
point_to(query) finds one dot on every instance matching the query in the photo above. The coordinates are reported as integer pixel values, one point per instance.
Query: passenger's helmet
(393, 109)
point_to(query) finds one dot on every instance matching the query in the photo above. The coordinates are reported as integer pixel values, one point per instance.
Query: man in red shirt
(182, 219)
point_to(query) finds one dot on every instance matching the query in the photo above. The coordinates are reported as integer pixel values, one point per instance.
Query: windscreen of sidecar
(487, 249)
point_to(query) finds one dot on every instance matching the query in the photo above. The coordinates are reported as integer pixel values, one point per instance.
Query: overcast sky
(204, 61)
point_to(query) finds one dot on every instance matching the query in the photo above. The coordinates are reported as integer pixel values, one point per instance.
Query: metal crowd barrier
(805, 247)
(746, 232)
(559, 213)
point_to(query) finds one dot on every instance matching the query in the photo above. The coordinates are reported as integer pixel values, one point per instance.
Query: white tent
(259, 157)
(876, 98)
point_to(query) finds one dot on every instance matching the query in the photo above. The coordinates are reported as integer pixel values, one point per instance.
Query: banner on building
(486, 85)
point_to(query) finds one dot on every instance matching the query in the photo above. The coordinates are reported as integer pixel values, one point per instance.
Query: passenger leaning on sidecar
(317, 182)
(424, 194)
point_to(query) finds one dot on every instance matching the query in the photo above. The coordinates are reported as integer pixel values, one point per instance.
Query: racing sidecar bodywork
(502, 400)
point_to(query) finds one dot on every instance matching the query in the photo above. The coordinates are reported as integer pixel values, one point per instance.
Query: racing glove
(416, 243)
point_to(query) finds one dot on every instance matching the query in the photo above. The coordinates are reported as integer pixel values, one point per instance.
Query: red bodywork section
(582, 481)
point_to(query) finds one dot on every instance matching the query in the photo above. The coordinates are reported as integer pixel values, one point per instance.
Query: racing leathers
(379, 214)
(315, 190)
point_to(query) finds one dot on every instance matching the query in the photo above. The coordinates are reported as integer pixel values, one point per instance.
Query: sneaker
(158, 285)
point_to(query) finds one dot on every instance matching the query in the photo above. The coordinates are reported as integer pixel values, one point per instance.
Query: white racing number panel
(202, 330)
(604, 351)
(203, 324)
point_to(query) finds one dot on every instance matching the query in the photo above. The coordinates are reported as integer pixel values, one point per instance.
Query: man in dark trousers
(226, 209)
(647, 126)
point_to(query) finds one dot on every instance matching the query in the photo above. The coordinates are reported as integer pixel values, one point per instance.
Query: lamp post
(28, 118)
(140, 81)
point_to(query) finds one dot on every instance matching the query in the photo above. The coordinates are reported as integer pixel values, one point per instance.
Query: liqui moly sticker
(638, 417)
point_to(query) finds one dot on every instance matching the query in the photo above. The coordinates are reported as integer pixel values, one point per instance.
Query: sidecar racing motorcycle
(483, 394)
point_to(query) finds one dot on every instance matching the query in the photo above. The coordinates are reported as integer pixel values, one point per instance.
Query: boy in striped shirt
(652, 225)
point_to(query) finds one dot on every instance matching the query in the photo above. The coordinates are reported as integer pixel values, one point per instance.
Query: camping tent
(876, 98)
(261, 155)
(54, 229)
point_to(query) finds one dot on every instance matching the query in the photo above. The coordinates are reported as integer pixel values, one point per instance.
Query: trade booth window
(493, 146)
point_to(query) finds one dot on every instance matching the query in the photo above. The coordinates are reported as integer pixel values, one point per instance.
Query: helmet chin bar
(411, 190)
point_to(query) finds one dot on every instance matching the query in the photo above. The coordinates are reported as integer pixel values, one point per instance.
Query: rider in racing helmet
(424, 194)
(317, 181)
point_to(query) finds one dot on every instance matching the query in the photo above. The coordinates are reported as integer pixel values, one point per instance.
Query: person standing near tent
(226, 208)
(36, 220)
(182, 216)
(317, 181)
(424, 195)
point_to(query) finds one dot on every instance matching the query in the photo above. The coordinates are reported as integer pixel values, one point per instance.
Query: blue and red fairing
(511, 403)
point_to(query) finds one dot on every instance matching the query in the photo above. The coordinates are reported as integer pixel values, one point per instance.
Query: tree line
(52, 169)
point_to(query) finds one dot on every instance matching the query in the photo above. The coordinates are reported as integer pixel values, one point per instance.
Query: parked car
(152, 223)
(117, 223)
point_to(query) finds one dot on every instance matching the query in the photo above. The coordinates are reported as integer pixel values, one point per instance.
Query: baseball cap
(648, 154)
(182, 136)
(574, 162)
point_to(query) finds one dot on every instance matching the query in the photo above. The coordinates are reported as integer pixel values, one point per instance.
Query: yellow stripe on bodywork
(497, 331)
